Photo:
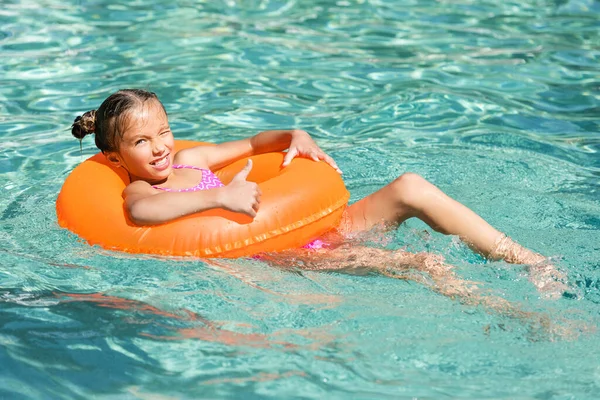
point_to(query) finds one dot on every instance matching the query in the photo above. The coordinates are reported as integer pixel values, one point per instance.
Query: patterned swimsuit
(209, 180)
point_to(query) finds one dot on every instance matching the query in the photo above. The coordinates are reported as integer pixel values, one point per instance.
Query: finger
(314, 156)
(243, 174)
(293, 152)
(251, 212)
(332, 162)
(257, 191)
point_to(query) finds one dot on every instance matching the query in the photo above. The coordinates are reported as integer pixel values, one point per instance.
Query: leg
(425, 268)
(412, 196)
(362, 260)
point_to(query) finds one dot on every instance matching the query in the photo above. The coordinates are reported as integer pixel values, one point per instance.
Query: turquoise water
(496, 103)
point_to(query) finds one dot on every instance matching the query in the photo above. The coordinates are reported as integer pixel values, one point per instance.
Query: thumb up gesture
(241, 195)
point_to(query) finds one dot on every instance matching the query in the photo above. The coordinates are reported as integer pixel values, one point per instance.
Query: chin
(160, 177)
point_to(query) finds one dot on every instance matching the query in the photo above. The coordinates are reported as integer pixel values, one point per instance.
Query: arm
(298, 142)
(147, 206)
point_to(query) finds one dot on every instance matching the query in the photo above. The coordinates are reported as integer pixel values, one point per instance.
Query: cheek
(137, 154)
(170, 144)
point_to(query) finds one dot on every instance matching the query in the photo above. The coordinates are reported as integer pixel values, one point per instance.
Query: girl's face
(146, 149)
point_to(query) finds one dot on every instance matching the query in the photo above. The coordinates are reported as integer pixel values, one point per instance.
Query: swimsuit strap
(180, 166)
(209, 180)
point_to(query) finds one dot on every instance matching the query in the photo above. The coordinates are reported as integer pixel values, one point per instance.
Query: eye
(140, 141)
(165, 133)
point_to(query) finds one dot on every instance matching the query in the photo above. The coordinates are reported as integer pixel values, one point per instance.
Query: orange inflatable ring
(299, 203)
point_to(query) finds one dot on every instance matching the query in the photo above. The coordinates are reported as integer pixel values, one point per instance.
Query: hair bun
(84, 124)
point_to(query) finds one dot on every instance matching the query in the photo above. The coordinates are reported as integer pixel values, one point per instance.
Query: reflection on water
(495, 103)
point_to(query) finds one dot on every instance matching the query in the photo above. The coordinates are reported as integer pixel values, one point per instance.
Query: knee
(410, 190)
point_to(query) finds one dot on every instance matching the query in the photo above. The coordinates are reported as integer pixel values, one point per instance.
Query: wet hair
(109, 121)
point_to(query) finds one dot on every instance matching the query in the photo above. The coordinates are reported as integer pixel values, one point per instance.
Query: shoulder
(138, 189)
(214, 156)
(196, 156)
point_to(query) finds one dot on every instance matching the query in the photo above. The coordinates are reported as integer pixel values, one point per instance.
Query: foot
(548, 280)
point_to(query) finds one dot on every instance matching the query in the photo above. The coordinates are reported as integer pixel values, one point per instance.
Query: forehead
(148, 116)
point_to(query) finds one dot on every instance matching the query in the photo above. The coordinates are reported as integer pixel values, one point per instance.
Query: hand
(302, 145)
(240, 195)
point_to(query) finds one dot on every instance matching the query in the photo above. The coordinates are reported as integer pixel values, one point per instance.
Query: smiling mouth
(161, 161)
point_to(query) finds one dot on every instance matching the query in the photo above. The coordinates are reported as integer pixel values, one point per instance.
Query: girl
(132, 130)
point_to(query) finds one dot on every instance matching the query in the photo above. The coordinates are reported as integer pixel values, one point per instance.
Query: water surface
(497, 104)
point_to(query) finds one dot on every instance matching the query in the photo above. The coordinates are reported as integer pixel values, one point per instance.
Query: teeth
(160, 162)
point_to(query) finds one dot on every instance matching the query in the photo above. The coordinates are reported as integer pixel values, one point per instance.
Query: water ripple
(496, 103)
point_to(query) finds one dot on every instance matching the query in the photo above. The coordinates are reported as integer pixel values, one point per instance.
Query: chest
(188, 178)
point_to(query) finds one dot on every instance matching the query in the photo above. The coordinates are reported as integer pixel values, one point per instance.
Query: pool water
(497, 103)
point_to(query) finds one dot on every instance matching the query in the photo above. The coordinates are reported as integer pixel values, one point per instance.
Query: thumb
(243, 174)
(289, 157)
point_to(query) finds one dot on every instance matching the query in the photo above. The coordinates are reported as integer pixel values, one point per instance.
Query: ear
(114, 159)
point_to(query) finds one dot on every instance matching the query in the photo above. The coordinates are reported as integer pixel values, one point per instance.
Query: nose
(158, 147)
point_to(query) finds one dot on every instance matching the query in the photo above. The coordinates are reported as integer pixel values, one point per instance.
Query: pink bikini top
(209, 180)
